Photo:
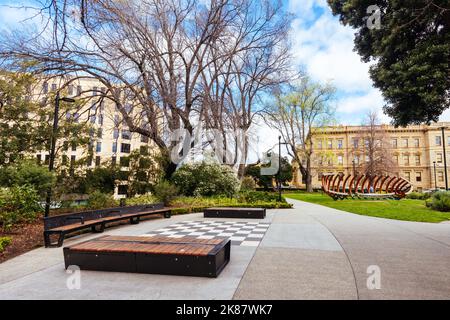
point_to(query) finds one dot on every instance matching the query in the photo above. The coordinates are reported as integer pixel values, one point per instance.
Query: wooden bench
(241, 213)
(186, 256)
(96, 220)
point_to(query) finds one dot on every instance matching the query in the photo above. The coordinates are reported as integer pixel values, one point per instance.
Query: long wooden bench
(186, 256)
(96, 220)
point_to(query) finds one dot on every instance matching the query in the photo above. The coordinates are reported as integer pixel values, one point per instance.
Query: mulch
(25, 237)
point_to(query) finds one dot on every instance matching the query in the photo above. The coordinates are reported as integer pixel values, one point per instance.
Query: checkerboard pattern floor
(240, 233)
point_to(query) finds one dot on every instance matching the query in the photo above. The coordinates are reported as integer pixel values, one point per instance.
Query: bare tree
(374, 148)
(297, 114)
(154, 57)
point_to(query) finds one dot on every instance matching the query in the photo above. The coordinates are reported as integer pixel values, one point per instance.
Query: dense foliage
(27, 172)
(268, 182)
(18, 204)
(4, 242)
(165, 192)
(411, 51)
(440, 201)
(99, 200)
(204, 179)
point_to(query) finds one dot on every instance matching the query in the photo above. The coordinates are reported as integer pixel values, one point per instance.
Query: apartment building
(416, 150)
(111, 139)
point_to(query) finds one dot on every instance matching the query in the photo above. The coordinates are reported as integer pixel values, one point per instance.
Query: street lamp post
(279, 167)
(51, 164)
(445, 158)
(435, 177)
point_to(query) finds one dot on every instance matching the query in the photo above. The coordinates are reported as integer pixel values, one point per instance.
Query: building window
(100, 133)
(405, 143)
(356, 159)
(124, 161)
(417, 160)
(340, 160)
(54, 87)
(340, 144)
(396, 159)
(319, 144)
(355, 143)
(116, 120)
(74, 146)
(394, 143)
(143, 150)
(45, 88)
(441, 176)
(125, 148)
(98, 161)
(408, 176)
(416, 143)
(406, 160)
(79, 90)
(330, 143)
(114, 161)
(70, 90)
(100, 119)
(126, 134)
(144, 139)
(39, 158)
(116, 134)
(92, 119)
(72, 160)
(419, 176)
(438, 140)
(98, 147)
(114, 147)
(439, 157)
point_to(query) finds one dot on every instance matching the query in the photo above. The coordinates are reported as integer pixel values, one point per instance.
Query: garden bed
(25, 237)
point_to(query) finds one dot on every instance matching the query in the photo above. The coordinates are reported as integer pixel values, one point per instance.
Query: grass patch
(406, 209)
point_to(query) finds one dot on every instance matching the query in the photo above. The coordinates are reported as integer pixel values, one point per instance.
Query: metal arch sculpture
(342, 186)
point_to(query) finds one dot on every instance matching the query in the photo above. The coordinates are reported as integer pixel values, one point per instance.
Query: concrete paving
(309, 252)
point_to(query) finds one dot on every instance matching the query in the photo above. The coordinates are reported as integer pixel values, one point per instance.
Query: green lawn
(408, 210)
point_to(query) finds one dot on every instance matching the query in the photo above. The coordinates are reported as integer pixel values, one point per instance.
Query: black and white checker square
(240, 233)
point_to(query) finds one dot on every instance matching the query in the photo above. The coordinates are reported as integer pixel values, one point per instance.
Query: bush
(419, 196)
(4, 242)
(440, 201)
(206, 180)
(248, 184)
(257, 196)
(144, 199)
(18, 204)
(165, 192)
(99, 200)
(27, 172)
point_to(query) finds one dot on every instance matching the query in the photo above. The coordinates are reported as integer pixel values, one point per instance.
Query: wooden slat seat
(96, 220)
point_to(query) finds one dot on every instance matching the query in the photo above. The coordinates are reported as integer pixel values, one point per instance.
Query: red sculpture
(341, 186)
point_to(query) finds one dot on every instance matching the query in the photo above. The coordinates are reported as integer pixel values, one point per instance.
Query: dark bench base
(209, 266)
(241, 213)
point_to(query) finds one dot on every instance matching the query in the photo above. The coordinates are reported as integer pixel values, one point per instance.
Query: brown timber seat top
(150, 244)
(105, 219)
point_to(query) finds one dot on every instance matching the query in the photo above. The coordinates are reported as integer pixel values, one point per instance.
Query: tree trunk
(309, 187)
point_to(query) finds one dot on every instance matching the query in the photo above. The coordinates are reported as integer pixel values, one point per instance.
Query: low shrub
(99, 200)
(440, 201)
(4, 242)
(257, 196)
(165, 192)
(419, 196)
(140, 200)
(248, 184)
(206, 180)
(18, 204)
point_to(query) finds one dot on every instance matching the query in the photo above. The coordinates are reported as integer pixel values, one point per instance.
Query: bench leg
(48, 241)
(167, 214)
(98, 230)
(135, 220)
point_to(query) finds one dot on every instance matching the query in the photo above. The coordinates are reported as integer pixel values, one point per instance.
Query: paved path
(309, 252)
